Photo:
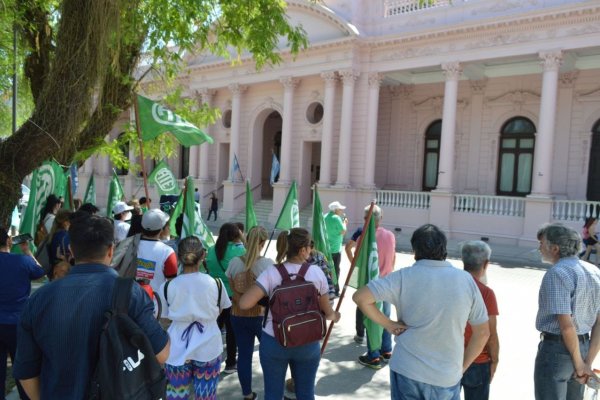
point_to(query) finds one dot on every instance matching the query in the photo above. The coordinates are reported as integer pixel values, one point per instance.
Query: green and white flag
(164, 179)
(193, 225)
(90, 192)
(290, 213)
(175, 214)
(250, 214)
(319, 233)
(115, 194)
(367, 269)
(46, 180)
(156, 120)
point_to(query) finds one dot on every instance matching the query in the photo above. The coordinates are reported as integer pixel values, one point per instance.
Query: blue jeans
(553, 374)
(386, 338)
(476, 381)
(303, 361)
(8, 346)
(404, 388)
(245, 330)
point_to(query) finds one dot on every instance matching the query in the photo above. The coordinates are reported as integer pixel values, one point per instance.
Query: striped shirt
(570, 287)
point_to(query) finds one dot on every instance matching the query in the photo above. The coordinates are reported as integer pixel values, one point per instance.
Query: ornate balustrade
(394, 198)
(400, 7)
(489, 205)
(575, 210)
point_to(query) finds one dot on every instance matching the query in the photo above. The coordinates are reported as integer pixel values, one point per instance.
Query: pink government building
(479, 116)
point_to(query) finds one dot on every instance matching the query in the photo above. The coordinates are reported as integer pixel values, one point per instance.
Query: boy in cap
(121, 212)
(335, 224)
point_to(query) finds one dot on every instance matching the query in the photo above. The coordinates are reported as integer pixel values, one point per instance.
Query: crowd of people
(444, 329)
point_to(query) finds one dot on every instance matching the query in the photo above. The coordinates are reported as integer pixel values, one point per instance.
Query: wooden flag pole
(352, 265)
(141, 143)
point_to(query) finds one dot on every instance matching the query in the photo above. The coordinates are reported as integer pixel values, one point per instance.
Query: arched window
(593, 188)
(125, 150)
(517, 142)
(431, 159)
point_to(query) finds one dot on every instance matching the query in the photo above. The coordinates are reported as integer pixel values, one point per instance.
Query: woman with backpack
(247, 324)
(194, 302)
(278, 351)
(229, 244)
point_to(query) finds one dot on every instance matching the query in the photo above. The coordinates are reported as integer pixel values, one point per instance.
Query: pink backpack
(294, 305)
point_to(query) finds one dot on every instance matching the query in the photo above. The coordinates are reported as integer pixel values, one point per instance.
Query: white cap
(121, 207)
(336, 205)
(154, 220)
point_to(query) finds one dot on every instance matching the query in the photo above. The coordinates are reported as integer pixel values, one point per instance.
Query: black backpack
(127, 367)
(124, 259)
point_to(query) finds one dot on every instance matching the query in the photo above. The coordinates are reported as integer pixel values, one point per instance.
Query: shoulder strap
(285, 275)
(121, 295)
(165, 292)
(220, 287)
(303, 269)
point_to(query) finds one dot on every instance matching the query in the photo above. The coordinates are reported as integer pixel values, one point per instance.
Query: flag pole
(352, 265)
(139, 135)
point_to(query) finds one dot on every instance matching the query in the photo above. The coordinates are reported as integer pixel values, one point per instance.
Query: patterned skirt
(199, 378)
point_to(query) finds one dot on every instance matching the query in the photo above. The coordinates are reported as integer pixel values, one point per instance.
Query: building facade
(480, 116)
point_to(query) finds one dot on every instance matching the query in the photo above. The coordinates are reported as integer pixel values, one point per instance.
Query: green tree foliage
(83, 59)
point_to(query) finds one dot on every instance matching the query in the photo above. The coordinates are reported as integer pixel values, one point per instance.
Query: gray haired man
(569, 309)
(477, 378)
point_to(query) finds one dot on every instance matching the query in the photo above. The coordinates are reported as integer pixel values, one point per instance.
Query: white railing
(575, 210)
(489, 205)
(394, 198)
(400, 7)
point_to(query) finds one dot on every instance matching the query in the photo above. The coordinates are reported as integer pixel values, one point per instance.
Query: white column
(371, 145)
(452, 72)
(544, 140)
(289, 84)
(345, 148)
(207, 96)
(330, 79)
(234, 146)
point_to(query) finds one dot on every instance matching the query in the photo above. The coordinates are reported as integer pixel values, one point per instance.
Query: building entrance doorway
(271, 145)
(593, 186)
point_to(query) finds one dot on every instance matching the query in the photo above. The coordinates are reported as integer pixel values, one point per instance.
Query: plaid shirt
(571, 287)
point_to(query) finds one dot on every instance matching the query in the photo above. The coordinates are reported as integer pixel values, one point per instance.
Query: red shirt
(489, 298)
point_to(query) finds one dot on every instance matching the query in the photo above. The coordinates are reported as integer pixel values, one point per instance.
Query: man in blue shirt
(18, 270)
(569, 309)
(60, 327)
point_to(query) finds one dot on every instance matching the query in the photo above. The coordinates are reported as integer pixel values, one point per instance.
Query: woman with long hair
(194, 302)
(247, 324)
(228, 245)
(58, 240)
(293, 249)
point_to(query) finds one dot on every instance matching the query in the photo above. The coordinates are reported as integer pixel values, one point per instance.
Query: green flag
(290, 213)
(90, 192)
(156, 119)
(115, 194)
(175, 214)
(164, 179)
(250, 214)
(319, 232)
(46, 180)
(192, 221)
(68, 191)
(367, 269)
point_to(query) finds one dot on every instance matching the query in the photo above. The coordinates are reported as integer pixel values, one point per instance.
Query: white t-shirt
(193, 298)
(121, 230)
(155, 261)
(49, 221)
(271, 278)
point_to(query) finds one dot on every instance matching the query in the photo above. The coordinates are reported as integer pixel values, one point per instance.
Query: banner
(156, 119)
(319, 233)
(193, 225)
(115, 194)
(163, 178)
(290, 213)
(250, 214)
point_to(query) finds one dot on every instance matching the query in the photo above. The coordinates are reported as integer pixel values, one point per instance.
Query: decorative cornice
(516, 99)
(236, 89)
(551, 60)
(452, 70)
(478, 86)
(289, 83)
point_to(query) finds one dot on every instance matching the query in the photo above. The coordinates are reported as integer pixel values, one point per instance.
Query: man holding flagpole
(335, 223)
(433, 301)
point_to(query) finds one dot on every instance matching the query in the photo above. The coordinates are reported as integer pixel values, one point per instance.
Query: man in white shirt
(122, 213)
